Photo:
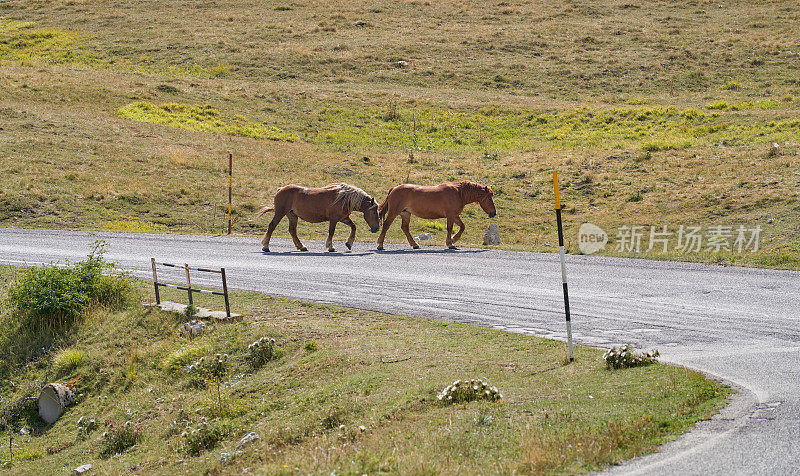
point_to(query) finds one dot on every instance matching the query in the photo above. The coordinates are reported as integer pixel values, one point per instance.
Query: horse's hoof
(416, 247)
(331, 250)
(265, 249)
(452, 247)
(349, 245)
(302, 248)
(380, 247)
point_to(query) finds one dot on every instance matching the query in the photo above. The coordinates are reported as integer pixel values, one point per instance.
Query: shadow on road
(442, 251)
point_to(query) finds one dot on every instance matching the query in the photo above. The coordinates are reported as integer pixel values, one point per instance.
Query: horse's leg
(449, 241)
(387, 222)
(406, 216)
(329, 241)
(279, 213)
(293, 231)
(460, 229)
(352, 237)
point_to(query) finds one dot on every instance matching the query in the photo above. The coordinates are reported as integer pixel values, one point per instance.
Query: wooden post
(155, 280)
(563, 265)
(225, 290)
(189, 284)
(230, 191)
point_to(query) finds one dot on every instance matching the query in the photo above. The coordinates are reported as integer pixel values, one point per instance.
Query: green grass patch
(22, 44)
(202, 118)
(651, 128)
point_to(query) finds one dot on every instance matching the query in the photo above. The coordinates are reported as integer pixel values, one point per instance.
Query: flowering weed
(462, 391)
(625, 357)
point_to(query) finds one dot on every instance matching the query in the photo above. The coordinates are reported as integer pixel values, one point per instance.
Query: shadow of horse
(445, 251)
(313, 253)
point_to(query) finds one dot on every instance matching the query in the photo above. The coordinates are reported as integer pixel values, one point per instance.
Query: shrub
(119, 437)
(625, 357)
(311, 346)
(52, 296)
(462, 391)
(261, 352)
(190, 312)
(202, 437)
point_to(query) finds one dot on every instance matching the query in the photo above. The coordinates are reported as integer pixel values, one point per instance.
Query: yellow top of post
(555, 187)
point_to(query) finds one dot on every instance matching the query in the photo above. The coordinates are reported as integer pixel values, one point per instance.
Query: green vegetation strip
(647, 127)
(325, 388)
(201, 118)
(20, 43)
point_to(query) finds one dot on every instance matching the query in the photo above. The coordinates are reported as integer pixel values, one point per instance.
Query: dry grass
(317, 72)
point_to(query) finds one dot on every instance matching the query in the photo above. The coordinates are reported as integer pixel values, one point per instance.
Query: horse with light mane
(445, 200)
(332, 203)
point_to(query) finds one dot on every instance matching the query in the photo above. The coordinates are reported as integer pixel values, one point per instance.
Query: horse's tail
(264, 211)
(384, 208)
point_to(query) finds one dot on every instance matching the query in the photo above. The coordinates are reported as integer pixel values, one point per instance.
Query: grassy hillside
(345, 391)
(659, 113)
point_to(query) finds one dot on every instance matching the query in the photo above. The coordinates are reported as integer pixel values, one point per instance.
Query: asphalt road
(739, 324)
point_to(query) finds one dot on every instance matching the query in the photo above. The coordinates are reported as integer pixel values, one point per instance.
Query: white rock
(425, 237)
(248, 438)
(194, 328)
(492, 236)
(82, 469)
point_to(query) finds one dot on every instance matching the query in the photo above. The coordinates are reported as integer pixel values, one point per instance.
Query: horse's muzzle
(492, 214)
(374, 229)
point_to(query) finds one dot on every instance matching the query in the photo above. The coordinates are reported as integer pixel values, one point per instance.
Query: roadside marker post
(230, 191)
(563, 266)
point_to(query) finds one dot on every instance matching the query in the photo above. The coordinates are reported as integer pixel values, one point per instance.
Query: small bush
(261, 352)
(201, 438)
(52, 296)
(119, 437)
(625, 357)
(68, 360)
(311, 346)
(190, 312)
(462, 391)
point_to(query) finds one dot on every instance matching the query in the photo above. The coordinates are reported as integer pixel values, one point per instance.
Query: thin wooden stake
(189, 284)
(225, 290)
(155, 281)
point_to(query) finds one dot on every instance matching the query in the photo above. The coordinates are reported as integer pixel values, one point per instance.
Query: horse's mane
(352, 197)
(470, 191)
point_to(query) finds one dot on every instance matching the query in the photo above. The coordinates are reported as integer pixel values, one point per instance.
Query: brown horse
(446, 200)
(332, 203)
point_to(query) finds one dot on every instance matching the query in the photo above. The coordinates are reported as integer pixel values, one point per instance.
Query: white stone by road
(739, 324)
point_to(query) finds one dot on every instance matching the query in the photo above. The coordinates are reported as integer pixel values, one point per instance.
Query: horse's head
(486, 201)
(370, 210)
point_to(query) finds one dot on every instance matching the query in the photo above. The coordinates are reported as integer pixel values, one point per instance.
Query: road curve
(739, 324)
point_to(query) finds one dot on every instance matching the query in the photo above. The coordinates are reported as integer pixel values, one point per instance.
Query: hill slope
(656, 114)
